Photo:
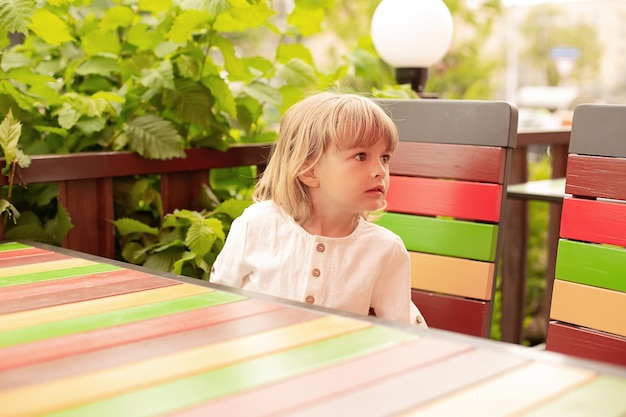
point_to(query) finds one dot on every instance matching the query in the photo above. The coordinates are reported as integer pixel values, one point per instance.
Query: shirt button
(321, 247)
(316, 272)
(310, 299)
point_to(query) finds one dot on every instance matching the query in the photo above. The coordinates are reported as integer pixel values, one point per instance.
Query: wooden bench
(446, 201)
(588, 308)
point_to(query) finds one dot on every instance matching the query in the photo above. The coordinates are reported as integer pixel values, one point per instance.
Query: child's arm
(230, 268)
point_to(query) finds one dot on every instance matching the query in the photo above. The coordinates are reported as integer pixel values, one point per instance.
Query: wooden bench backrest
(588, 307)
(446, 202)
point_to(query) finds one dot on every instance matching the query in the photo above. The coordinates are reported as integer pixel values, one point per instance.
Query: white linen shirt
(267, 251)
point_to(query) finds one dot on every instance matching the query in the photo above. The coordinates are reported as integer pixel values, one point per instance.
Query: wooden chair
(588, 307)
(446, 201)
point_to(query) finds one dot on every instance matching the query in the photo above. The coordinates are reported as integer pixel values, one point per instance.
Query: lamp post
(411, 36)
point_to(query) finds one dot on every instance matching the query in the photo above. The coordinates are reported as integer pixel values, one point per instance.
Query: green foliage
(187, 242)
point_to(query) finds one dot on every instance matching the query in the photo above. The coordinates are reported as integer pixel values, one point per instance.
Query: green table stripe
(592, 264)
(175, 395)
(57, 274)
(443, 236)
(115, 318)
(13, 246)
(604, 394)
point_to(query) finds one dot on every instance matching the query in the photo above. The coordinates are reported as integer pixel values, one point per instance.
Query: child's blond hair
(307, 129)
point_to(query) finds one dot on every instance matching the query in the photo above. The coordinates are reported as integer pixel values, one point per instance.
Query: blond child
(307, 237)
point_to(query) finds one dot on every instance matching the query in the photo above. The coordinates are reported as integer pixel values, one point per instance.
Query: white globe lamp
(411, 36)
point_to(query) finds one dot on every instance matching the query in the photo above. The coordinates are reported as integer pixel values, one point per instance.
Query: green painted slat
(13, 246)
(115, 318)
(604, 394)
(176, 395)
(592, 264)
(57, 274)
(447, 237)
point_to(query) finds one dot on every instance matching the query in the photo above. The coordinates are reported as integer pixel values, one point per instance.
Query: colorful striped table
(87, 336)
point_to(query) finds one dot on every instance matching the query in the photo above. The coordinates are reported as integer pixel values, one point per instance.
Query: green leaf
(298, 73)
(263, 93)
(185, 24)
(155, 138)
(242, 17)
(29, 232)
(307, 20)
(59, 225)
(15, 15)
(50, 28)
(144, 37)
(10, 131)
(99, 65)
(213, 7)
(100, 42)
(161, 261)
(9, 209)
(116, 17)
(200, 236)
(190, 101)
(233, 208)
(224, 99)
(286, 52)
(154, 6)
(126, 226)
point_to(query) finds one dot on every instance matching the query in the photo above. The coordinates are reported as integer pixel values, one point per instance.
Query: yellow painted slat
(454, 276)
(510, 393)
(588, 306)
(100, 305)
(44, 267)
(68, 392)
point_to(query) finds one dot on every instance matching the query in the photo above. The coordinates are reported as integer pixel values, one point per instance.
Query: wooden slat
(594, 221)
(78, 343)
(594, 176)
(454, 276)
(439, 197)
(185, 392)
(13, 247)
(444, 236)
(588, 306)
(604, 394)
(37, 317)
(395, 394)
(131, 308)
(457, 314)
(586, 343)
(437, 160)
(476, 122)
(48, 287)
(100, 291)
(289, 396)
(219, 323)
(31, 257)
(508, 393)
(592, 264)
(52, 270)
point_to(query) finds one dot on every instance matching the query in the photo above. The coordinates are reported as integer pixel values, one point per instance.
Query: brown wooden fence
(86, 185)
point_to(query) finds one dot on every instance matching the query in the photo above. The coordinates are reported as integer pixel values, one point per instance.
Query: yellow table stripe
(512, 392)
(53, 396)
(100, 305)
(44, 267)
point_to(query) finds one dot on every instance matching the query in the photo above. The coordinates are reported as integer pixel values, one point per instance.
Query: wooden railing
(86, 185)
(515, 245)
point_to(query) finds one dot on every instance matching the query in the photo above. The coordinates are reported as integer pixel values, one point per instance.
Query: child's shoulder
(261, 209)
(373, 230)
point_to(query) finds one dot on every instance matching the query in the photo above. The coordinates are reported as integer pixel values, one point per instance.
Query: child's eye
(360, 156)
(385, 158)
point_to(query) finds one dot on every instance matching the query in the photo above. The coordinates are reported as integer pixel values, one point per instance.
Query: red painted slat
(594, 221)
(28, 256)
(50, 349)
(150, 348)
(66, 284)
(596, 176)
(586, 343)
(439, 197)
(462, 315)
(103, 289)
(460, 162)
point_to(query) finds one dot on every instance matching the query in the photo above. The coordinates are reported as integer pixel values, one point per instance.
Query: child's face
(353, 180)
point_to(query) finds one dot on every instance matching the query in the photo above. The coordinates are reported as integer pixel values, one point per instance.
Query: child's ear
(309, 179)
